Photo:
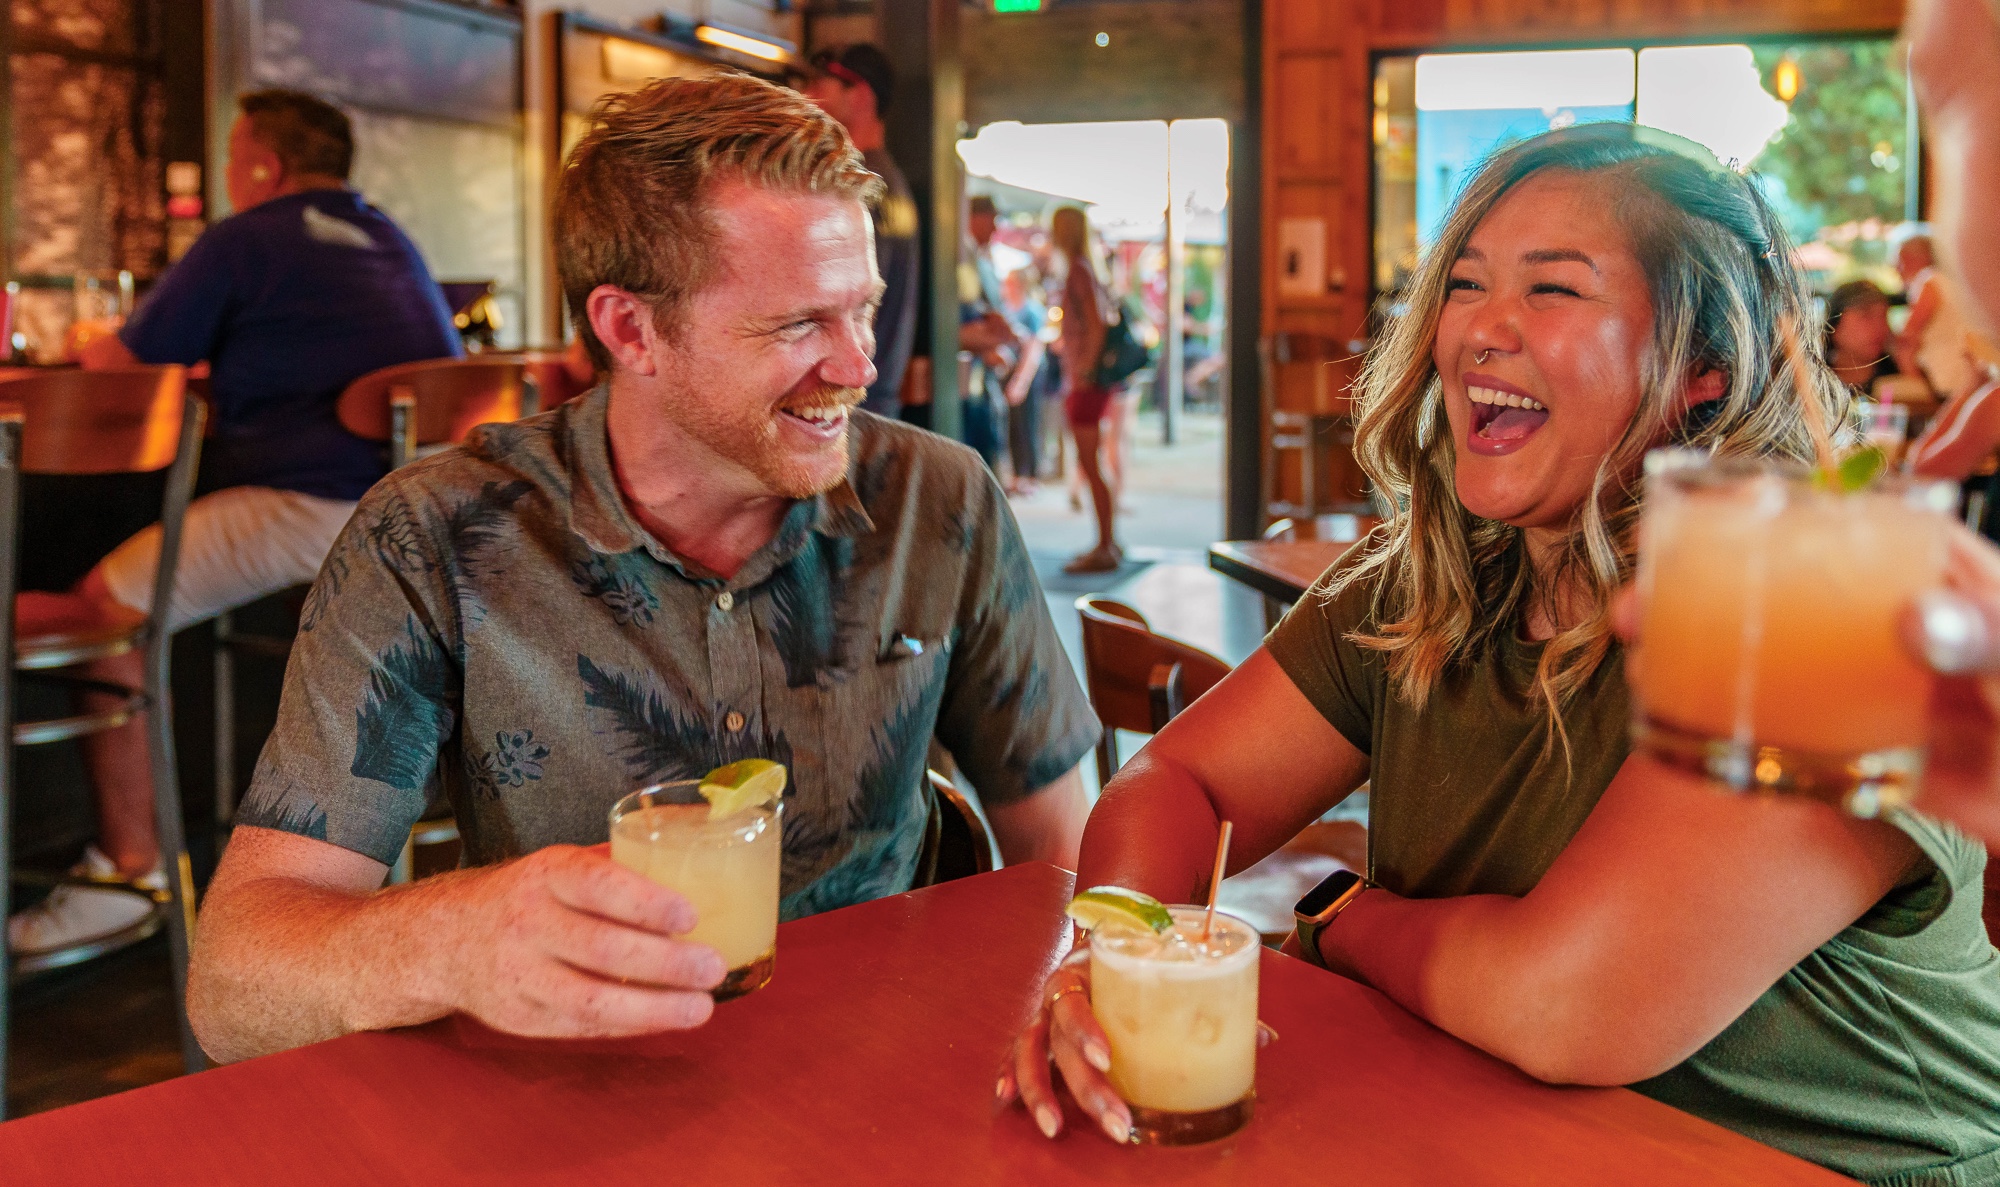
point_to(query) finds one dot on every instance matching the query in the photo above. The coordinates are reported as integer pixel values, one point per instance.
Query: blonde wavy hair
(1723, 290)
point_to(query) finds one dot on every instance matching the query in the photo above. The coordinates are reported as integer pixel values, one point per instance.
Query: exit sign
(1017, 5)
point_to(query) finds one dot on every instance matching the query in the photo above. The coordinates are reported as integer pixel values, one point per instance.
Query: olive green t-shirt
(1877, 1056)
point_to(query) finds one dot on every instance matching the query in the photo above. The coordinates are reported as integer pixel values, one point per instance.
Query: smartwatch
(1321, 905)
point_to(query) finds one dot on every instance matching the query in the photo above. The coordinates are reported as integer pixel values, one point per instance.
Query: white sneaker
(79, 914)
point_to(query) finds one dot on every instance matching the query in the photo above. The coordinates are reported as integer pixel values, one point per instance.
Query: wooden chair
(1340, 527)
(130, 421)
(1288, 361)
(1137, 680)
(957, 843)
(437, 402)
(551, 371)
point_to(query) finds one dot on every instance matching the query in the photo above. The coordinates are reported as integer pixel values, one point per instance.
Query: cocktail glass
(727, 868)
(1182, 1019)
(1771, 658)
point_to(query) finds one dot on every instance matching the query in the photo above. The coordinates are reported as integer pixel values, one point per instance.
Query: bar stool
(130, 421)
(411, 406)
(1286, 361)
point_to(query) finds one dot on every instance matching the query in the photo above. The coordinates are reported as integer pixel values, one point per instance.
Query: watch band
(1308, 929)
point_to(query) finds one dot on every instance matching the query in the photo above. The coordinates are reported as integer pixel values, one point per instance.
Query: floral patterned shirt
(495, 628)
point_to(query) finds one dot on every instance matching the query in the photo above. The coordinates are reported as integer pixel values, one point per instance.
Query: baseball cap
(860, 64)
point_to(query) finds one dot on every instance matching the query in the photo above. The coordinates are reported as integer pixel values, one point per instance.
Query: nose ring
(1480, 358)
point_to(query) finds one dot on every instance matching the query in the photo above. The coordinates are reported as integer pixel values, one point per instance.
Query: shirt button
(735, 720)
(723, 601)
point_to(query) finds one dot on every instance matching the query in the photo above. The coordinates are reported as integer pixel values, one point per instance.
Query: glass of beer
(1769, 604)
(1181, 1015)
(727, 867)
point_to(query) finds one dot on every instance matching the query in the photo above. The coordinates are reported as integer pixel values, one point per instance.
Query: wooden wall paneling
(1305, 93)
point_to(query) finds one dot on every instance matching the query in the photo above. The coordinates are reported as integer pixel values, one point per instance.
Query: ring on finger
(1072, 987)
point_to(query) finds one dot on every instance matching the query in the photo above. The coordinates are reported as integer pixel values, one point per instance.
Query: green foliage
(1842, 156)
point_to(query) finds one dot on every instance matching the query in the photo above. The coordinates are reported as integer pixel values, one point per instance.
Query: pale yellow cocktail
(728, 868)
(1181, 1016)
(1771, 657)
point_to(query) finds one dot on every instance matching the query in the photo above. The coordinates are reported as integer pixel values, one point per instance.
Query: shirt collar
(598, 515)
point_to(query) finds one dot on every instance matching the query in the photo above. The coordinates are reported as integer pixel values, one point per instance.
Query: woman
(1085, 400)
(1858, 338)
(1818, 982)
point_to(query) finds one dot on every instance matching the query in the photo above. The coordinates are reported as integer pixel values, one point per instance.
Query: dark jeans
(982, 428)
(1024, 436)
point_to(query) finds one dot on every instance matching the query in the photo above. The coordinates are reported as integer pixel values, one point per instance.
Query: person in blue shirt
(302, 290)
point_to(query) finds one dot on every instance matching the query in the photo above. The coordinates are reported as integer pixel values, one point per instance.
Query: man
(854, 86)
(304, 289)
(1933, 342)
(985, 335)
(710, 557)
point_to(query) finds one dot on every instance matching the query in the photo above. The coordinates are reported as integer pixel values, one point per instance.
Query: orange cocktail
(1771, 658)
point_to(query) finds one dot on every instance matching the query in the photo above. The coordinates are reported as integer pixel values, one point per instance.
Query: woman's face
(1862, 333)
(1538, 348)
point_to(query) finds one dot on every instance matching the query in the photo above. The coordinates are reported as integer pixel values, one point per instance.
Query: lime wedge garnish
(1115, 906)
(740, 786)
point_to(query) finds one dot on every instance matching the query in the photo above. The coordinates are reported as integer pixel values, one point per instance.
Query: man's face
(838, 99)
(981, 223)
(254, 172)
(769, 358)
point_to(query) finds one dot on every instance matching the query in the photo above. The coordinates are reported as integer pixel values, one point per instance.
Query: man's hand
(566, 942)
(297, 945)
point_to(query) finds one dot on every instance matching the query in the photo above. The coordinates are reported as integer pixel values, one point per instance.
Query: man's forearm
(281, 963)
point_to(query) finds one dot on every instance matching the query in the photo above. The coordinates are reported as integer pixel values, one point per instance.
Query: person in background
(1933, 341)
(855, 86)
(1858, 339)
(302, 290)
(1086, 402)
(986, 339)
(1026, 385)
(1538, 887)
(712, 556)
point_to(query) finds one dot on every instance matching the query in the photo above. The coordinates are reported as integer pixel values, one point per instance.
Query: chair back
(122, 421)
(1138, 680)
(437, 401)
(957, 843)
(551, 371)
(1340, 528)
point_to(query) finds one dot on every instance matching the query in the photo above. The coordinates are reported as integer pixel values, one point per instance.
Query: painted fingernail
(1954, 633)
(1000, 1089)
(1047, 1121)
(1097, 1057)
(1116, 1129)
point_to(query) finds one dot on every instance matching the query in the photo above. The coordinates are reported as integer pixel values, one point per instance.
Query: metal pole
(1171, 357)
(1913, 149)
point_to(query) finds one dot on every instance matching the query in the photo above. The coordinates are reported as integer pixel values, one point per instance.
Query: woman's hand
(1064, 1029)
(1956, 631)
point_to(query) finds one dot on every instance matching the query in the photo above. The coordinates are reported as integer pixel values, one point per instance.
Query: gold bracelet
(1057, 996)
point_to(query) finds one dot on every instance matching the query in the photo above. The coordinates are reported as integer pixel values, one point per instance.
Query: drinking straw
(1815, 416)
(1215, 880)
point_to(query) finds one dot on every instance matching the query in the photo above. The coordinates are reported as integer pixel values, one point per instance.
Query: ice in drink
(1181, 1016)
(728, 868)
(1771, 657)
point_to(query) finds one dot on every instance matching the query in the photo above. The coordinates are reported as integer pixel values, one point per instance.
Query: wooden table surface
(1281, 569)
(870, 1059)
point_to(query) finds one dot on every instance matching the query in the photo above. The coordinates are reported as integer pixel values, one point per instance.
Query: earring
(1480, 358)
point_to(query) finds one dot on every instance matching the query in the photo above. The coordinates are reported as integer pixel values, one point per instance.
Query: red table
(870, 1059)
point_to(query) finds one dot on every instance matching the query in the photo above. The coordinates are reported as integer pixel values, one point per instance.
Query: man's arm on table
(297, 945)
